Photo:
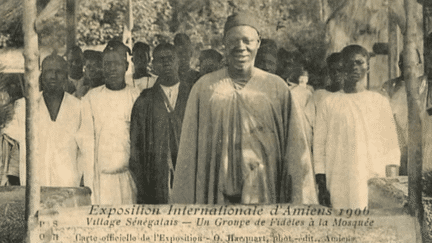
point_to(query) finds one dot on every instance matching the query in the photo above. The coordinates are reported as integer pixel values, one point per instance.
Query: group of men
(240, 134)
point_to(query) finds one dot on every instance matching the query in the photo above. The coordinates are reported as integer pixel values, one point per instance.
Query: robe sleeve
(184, 188)
(86, 142)
(135, 165)
(298, 156)
(320, 137)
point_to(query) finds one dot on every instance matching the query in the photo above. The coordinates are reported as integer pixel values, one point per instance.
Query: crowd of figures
(248, 130)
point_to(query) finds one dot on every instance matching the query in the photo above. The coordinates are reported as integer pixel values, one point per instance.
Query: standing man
(75, 69)
(332, 83)
(155, 129)
(184, 49)
(355, 136)
(242, 138)
(143, 79)
(395, 91)
(9, 151)
(110, 106)
(63, 139)
(302, 93)
(93, 74)
(335, 72)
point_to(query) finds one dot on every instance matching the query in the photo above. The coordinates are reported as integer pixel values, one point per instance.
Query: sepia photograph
(215, 121)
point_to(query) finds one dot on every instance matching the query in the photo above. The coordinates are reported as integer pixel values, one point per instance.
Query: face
(75, 63)
(336, 74)
(165, 63)
(356, 68)
(184, 53)
(288, 68)
(53, 78)
(93, 69)
(241, 46)
(208, 65)
(114, 68)
(267, 63)
(140, 59)
(304, 78)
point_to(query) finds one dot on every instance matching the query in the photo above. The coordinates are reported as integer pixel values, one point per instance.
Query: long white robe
(64, 153)
(303, 94)
(111, 114)
(317, 98)
(354, 139)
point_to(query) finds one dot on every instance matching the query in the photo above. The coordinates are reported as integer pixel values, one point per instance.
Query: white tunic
(317, 98)
(111, 113)
(144, 82)
(303, 95)
(63, 153)
(354, 139)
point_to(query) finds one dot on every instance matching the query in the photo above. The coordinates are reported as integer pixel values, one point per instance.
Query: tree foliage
(99, 21)
(293, 24)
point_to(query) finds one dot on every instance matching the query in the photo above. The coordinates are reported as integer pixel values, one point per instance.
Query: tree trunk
(414, 122)
(31, 75)
(393, 44)
(71, 6)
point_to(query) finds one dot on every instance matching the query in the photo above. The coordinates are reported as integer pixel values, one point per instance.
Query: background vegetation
(296, 25)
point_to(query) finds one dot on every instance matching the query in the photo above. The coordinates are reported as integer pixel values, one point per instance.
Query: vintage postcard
(215, 121)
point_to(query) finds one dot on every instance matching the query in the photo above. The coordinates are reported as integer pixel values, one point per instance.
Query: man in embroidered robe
(64, 144)
(242, 139)
(355, 136)
(155, 129)
(110, 106)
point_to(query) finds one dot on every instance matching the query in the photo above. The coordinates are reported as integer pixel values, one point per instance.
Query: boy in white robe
(111, 106)
(64, 151)
(355, 136)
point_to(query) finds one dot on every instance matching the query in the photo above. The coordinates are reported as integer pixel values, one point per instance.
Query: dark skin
(184, 54)
(241, 44)
(140, 59)
(93, 72)
(208, 65)
(356, 68)
(76, 63)
(53, 93)
(114, 69)
(166, 65)
(336, 76)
